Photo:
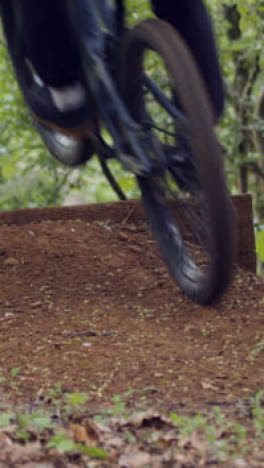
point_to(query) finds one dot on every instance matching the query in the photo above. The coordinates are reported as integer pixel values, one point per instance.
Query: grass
(218, 435)
(259, 348)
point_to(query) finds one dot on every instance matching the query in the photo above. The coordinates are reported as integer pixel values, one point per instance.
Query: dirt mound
(90, 305)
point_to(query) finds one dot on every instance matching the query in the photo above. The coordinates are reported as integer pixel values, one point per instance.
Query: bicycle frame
(112, 17)
(86, 19)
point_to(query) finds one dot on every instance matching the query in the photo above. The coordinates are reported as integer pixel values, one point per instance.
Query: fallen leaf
(115, 443)
(149, 419)
(85, 434)
(4, 440)
(135, 460)
(22, 454)
(123, 236)
(35, 304)
(165, 440)
(10, 261)
(136, 249)
(208, 386)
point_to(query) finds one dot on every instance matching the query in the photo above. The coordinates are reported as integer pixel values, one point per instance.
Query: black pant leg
(48, 40)
(191, 19)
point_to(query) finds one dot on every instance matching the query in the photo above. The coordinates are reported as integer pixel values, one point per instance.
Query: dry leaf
(123, 236)
(135, 460)
(136, 249)
(4, 440)
(36, 304)
(10, 261)
(23, 453)
(115, 443)
(85, 434)
(166, 439)
(149, 417)
(79, 434)
(208, 386)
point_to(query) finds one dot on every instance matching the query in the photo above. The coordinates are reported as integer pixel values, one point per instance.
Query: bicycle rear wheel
(197, 243)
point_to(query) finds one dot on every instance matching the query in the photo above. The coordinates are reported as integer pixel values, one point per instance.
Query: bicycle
(182, 161)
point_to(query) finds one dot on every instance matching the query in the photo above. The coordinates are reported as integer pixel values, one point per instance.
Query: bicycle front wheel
(197, 243)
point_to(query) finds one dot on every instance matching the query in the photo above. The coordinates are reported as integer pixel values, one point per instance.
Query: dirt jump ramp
(131, 211)
(87, 302)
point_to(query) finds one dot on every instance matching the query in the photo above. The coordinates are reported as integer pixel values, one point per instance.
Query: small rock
(87, 345)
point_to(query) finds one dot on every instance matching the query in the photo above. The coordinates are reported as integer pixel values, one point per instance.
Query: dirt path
(91, 306)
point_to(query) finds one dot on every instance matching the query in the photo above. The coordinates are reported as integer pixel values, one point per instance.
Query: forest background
(30, 177)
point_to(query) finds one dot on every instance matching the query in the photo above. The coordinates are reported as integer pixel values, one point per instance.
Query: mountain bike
(150, 98)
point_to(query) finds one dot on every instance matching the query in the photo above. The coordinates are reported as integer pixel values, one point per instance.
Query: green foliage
(14, 372)
(12, 380)
(258, 414)
(76, 399)
(225, 436)
(61, 442)
(37, 421)
(6, 418)
(119, 405)
(260, 244)
(229, 436)
(258, 348)
(188, 425)
(240, 36)
(93, 452)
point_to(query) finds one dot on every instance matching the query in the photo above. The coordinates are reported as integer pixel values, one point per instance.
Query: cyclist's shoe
(66, 110)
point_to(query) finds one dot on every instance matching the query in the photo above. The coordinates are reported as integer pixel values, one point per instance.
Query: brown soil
(90, 305)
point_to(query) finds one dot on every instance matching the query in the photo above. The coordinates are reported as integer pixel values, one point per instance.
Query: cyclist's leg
(48, 41)
(191, 19)
(50, 48)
